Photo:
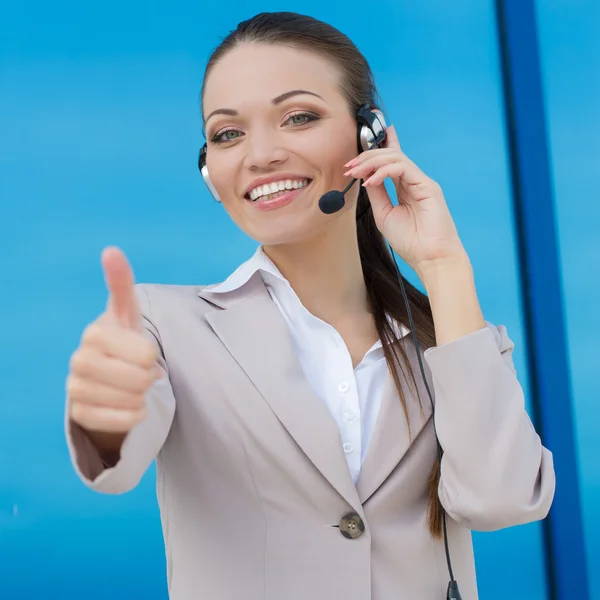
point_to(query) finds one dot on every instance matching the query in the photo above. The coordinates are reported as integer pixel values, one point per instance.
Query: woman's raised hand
(115, 363)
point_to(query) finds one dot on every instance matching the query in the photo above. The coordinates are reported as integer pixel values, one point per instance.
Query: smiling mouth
(275, 190)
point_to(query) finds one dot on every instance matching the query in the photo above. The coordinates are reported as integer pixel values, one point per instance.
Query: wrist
(456, 267)
(450, 287)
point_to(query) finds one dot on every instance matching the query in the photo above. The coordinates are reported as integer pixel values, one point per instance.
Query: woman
(295, 445)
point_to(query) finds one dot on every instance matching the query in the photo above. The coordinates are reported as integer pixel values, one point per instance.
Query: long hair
(379, 270)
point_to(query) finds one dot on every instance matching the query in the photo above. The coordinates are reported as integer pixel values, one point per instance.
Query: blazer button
(352, 526)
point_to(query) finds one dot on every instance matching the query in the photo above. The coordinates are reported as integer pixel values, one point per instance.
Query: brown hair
(379, 269)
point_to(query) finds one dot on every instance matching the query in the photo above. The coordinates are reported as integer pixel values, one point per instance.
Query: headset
(371, 133)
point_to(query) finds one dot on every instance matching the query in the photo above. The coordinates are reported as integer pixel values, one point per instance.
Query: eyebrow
(277, 100)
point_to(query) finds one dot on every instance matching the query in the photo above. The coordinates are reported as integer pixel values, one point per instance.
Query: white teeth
(277, 186)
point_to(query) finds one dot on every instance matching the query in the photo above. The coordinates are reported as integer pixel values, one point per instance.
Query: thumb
(122, 301)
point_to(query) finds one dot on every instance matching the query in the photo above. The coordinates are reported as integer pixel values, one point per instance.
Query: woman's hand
(115, 363)
(419, 228)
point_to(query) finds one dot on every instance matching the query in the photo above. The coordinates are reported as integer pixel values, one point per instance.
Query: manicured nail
(350, 163)
(348, 172)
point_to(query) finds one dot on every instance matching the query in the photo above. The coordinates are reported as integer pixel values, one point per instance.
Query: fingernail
(348, 172)
(350, 162)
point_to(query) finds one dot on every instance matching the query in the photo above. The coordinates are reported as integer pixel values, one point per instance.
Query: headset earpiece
(204, 171)
(371, 127)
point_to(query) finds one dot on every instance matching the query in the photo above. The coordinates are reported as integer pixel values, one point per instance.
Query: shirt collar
(260, 262)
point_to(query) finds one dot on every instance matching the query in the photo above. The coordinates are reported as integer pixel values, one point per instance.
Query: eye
(225, 135)
(301, 118)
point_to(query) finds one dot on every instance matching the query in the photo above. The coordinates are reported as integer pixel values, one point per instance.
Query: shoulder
(157, 298)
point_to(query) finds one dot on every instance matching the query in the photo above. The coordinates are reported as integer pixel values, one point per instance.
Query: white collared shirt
(352, 395)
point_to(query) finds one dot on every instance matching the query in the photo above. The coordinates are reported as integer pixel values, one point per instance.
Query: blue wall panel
(569, 35)
(99, 106)
(541, 290)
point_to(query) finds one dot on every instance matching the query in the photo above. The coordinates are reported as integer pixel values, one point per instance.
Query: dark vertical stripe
(541, 292)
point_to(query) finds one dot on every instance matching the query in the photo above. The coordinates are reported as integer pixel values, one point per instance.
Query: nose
(264, 151)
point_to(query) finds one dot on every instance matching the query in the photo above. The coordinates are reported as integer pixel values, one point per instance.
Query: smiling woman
(284, 400)
(307, 130)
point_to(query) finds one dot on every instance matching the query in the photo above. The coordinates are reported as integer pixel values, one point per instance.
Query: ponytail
(385, 297)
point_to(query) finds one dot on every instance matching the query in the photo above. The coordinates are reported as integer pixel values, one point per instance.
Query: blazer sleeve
(142, 443)
(495, 473)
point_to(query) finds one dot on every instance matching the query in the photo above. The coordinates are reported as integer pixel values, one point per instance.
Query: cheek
(337, 151)
(222, 176)
(219, 176)
(337, 159)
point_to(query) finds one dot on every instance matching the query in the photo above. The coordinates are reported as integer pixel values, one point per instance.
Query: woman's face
(279, 132)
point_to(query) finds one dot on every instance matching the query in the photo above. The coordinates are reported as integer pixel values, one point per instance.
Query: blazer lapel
(256, 335)
(391, 438)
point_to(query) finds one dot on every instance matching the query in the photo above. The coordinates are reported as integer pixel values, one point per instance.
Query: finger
(391, 144)
(86, 391)
(120, 281)
(366, 155)
(110, 420)
(381, 204)
(123, 344)
(408, 172)
(95, 366)
(369, 165)
(391, 140)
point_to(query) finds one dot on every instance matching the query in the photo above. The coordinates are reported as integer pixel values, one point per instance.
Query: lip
(282, 200)
(271, 178)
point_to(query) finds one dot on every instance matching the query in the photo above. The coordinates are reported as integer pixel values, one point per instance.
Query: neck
(325, 272)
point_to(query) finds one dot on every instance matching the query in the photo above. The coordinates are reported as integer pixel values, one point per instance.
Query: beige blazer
(255, 495)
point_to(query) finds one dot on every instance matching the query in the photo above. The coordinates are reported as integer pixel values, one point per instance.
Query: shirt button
(348, 415)
(348, 448)
(344, 386)
(351, 526)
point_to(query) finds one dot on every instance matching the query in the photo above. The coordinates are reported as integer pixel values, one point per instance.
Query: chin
(281, 232)
(286, 226)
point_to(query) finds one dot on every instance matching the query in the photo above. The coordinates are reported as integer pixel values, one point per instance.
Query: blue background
(99, 132)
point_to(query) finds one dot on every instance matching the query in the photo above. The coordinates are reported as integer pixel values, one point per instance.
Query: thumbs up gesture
(115, 363)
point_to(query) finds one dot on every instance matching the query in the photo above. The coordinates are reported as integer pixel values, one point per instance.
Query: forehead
(256, 73)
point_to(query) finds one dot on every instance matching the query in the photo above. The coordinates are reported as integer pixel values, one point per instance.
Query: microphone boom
(334, 200)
